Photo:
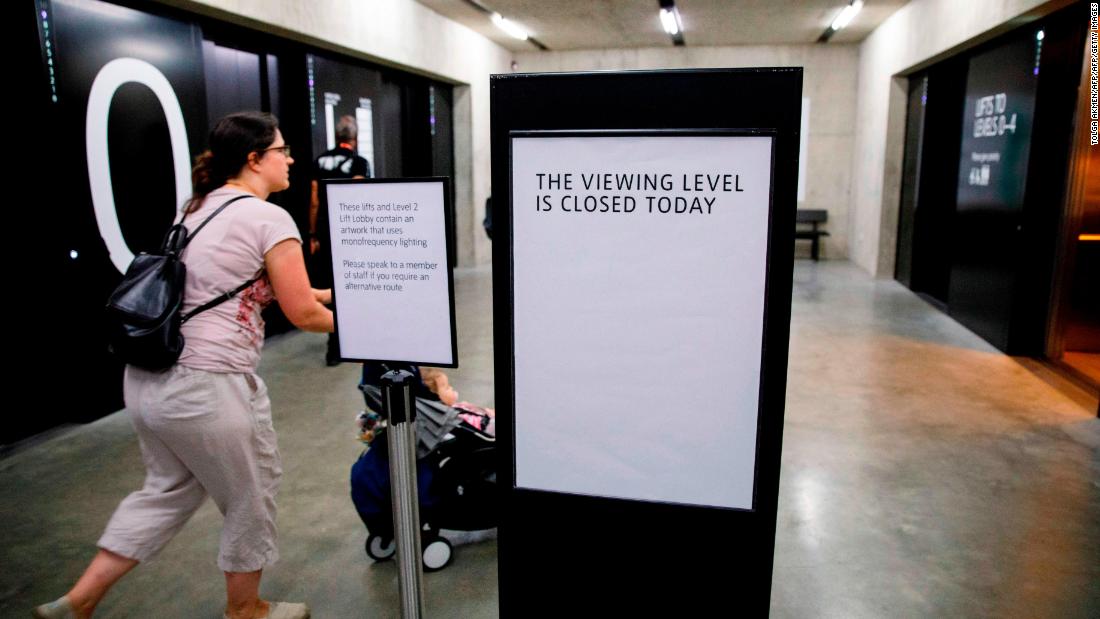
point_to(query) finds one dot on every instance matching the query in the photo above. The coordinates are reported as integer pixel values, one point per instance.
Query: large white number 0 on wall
(110, 78)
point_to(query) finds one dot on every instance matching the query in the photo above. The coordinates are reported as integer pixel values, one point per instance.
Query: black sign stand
(399, 410)
(571, 555)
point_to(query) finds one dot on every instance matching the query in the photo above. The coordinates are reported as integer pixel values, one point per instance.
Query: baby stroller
(456, 473)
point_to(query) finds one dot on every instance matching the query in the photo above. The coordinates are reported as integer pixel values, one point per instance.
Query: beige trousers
(201, 433)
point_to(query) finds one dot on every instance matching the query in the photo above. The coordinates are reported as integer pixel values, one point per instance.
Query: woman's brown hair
(233, 140)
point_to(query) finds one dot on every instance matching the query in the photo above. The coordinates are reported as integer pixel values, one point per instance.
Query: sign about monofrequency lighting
(392, 287)
(639, 266)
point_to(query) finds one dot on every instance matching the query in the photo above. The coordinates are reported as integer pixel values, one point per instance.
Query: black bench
(812, 217)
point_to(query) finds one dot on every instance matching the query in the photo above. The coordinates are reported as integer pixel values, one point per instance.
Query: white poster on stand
(639, 268)
(391, 283)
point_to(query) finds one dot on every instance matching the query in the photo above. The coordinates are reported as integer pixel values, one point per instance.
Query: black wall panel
(996, 142)
(210, 68)
(985, 172)
(84, 36)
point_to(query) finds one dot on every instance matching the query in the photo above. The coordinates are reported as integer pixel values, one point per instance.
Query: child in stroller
(456, 466)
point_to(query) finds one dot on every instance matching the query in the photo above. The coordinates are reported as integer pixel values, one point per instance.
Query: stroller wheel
(437, 554)
(380, 549)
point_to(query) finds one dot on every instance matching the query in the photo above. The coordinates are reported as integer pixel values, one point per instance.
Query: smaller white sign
(391, 283)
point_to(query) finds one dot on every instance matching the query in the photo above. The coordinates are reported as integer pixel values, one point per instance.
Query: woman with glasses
(204, 425)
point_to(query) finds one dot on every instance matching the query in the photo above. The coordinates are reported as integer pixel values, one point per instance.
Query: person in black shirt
(340, 162)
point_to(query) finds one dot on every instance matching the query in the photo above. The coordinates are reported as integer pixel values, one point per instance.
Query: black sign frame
(446, 188)
(555, 548)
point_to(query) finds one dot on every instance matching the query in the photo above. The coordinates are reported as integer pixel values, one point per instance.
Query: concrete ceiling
(605, 24)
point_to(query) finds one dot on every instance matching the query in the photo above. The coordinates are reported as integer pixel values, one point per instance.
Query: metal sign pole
(400, 410)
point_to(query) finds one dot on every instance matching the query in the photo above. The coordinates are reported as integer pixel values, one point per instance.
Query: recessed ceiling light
(513, 29)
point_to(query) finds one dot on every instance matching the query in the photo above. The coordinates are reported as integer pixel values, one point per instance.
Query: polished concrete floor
(924, 475)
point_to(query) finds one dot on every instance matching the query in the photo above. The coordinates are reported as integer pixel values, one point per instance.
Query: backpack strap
(221, 208)
(218, 300)
(222, 298)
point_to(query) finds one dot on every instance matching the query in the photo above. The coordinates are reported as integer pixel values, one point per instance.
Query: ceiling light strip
(845, 17)
(669, 16)
(506, 25)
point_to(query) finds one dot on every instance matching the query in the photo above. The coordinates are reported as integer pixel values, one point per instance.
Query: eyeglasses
(285, 149)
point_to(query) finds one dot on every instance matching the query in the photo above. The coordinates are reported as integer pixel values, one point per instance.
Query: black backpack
(143, 313)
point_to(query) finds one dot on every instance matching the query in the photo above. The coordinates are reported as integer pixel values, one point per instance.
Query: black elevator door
(929, 182)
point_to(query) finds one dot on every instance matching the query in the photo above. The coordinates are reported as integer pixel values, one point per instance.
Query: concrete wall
(407, 35)
(919, 34)
(829, 83)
